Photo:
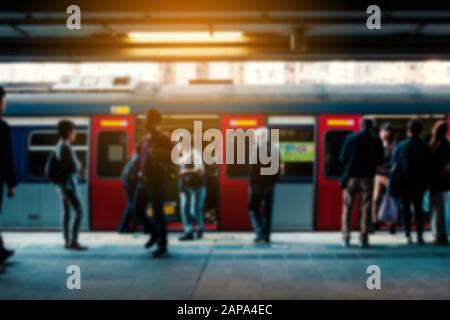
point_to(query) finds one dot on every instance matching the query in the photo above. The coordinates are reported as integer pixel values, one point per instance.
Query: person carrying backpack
(62, 169)
(155, 167)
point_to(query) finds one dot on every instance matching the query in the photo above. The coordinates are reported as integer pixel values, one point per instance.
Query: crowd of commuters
(390, 177)
(402, 174)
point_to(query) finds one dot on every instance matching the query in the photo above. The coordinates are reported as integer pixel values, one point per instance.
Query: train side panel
(37, 203)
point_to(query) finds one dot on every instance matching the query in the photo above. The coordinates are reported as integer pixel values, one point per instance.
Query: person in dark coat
(361, 155)
(440, 180)
(7, 172)
(155, 168)
(262, 188)
(410, 177)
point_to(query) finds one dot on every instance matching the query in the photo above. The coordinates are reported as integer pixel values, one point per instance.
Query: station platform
(224, 266)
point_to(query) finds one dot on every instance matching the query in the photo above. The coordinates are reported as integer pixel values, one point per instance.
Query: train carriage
(313, 122)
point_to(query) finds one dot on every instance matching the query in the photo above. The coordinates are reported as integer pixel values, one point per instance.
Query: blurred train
(109, 112)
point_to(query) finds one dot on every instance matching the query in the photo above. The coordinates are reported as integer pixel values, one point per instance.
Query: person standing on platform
(155, 167)
(63, 168)
(192, 193)
(361, 154)
(261, 189)
(129, 181)
(382, 176)
(7, 172)
(440, 181)
(410, 177)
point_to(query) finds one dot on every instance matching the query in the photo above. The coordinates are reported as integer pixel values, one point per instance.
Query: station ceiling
(273, 30)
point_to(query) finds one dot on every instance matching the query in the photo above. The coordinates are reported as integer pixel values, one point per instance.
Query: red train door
(112, 141)
(233, 178)
(333, 129)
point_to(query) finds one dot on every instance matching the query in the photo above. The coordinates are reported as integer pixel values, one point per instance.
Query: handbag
(389, 210)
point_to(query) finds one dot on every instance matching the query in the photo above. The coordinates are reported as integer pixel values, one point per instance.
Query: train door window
(111, 153)
(297, 152)
(42, 142)
(334, 141)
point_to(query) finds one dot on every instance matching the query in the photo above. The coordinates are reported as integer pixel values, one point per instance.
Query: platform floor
(224, 266)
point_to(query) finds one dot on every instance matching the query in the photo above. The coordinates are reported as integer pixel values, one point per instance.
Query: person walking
(361, 154)
(7, 172)
(410, 177)
(155, 167)
(63, 169)
(192, 193)
(440, 180)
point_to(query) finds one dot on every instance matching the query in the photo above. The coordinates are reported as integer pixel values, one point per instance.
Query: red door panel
(234, 190)
(332, 132)
(112, 142)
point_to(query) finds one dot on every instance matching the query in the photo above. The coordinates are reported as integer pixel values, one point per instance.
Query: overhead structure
(222, 30)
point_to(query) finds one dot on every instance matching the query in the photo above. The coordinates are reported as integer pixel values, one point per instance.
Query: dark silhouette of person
(440, 180)
(155, 167)
(129, 181)
(410, 177)
(7, 172)
(70, 168)
(361, 154)
(261, 190)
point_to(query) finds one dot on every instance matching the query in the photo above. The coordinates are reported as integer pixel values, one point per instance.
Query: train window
(38, 159)
(36, 163)
(112, 153)
(297, 151)
(42, 142)
(334, 141)
(50, 138)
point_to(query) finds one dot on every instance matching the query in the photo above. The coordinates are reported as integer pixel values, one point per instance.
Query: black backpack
(54, 169)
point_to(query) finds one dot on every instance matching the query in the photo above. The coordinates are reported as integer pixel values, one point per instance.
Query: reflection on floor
(225, 265)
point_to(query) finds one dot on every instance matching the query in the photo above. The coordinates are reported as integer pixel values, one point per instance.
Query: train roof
(316, 98)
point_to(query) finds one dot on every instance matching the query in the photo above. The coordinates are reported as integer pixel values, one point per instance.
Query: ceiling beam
(321, 48)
